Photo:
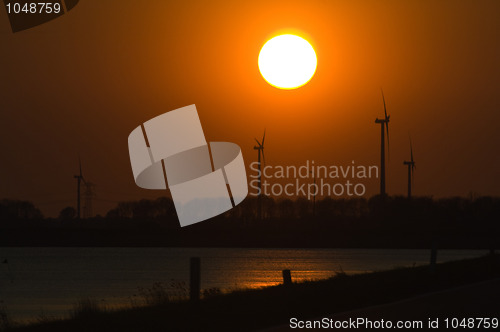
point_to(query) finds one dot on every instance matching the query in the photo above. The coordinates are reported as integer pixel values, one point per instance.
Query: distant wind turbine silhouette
(384, 121)
(260, 149)
(411, 169)
(79, 178)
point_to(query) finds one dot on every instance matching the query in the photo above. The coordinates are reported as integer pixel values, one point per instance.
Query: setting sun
(287, 61)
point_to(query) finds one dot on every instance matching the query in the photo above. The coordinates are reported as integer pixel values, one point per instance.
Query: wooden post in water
(433, 256)
(194, 279)
(287, 277)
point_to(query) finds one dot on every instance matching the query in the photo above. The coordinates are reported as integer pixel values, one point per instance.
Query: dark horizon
(381, 222)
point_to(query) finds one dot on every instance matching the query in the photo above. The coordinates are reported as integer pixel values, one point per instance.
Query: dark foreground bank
(274, 306)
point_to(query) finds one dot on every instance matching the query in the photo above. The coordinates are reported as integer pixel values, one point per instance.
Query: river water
(48, 282)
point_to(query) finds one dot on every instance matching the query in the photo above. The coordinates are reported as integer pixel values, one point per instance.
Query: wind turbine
(384, 121)
(411, 169)
(260, 149)
(79, 179)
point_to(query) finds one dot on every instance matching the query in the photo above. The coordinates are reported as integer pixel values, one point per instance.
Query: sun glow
(287, 61)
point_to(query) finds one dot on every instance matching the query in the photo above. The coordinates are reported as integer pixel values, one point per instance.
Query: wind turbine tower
(79, 179)
(88, 194)
(260, 149)
(411, 169)
(383, 123)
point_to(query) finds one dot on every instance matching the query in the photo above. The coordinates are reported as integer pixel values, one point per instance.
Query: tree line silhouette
(473, 209)
(398, 208)
(390, 221)
(17, 209)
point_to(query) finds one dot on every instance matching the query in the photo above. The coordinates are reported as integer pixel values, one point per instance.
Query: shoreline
(273, 306)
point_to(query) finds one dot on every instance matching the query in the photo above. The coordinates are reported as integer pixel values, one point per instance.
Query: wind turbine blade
(263, 138)
(385, 109)
(258, 142)
(412, 164)
(387, 129)
(80, 164)
(413, 175)
(81, 173)
(386, 122)
(411, 151)
(263, 156)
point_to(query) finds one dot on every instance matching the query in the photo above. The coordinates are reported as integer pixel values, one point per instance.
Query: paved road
(475, 300)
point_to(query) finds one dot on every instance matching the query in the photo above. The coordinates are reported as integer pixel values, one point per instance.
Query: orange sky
(85, 80)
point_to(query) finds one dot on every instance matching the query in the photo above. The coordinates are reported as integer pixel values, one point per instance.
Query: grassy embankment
(256, 309)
